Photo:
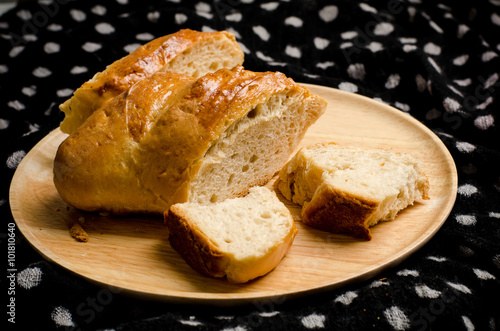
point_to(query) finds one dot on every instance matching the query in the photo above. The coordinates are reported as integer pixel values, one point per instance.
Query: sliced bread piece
(240, 238)
(347, 189)
(187, 51)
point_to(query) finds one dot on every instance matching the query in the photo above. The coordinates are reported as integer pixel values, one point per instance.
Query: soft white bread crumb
(346, 189)
(240, 238)
(255, 147)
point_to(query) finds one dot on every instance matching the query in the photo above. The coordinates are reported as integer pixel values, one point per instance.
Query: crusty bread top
(97, 161)
(140, 151)
(186, 51)
(240, 238)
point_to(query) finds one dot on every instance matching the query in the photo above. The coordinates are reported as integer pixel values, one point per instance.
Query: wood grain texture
(133, 253)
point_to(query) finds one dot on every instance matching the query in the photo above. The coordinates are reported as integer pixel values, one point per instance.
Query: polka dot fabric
(437, 61)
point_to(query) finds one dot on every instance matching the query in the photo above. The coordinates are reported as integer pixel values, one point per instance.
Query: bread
(240, 238)
(172, 138)
(186, 51)
(345, 189)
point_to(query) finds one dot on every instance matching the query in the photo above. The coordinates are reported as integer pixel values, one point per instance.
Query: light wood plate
(133, 253)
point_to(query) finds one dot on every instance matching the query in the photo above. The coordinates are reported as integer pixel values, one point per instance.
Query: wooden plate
(132, 254)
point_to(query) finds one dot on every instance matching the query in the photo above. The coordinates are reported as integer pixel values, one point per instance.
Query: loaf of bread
(345, 189)
(189, 52)
(240, 238)
(172, 138)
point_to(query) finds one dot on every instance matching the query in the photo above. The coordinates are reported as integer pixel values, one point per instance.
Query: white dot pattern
(62, 317)
(383, 29)
(29, 277)
(392, 81)
(51, 48)
(91, 47)
(466, 220)
(406, 272)
(459, 287)
(15, 51)
(425, 291)
(467, 190)
(313, 321)
(294, 21)
(179, 18)
(321, 43)
(104, 28)
(41, 72)
(483, 274)
(356, 71)
(78, 70)
(432, 49)
(329, 13)
(397, 318)
(346, 298)
(78, 15)
(261, 32)
(375, 46)
(29, 90)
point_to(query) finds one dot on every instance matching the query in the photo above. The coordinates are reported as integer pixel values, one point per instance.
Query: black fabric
(437, 61)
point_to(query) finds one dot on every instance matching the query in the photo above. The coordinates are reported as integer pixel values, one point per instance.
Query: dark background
(437, 61)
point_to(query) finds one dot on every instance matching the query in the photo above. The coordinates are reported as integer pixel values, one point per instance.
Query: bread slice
(240, 238)
(346, 189)
(172, 138)
(189, 52)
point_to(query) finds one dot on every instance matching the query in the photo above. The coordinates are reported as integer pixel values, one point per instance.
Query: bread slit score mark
(187, 51)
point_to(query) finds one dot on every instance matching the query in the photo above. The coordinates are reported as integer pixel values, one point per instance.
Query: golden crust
(350, 213)
(138, 65)
(138, 153)
(193, 246)
(102, 148)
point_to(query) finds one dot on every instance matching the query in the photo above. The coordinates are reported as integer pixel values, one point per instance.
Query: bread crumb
(79, 233)
(76, 230)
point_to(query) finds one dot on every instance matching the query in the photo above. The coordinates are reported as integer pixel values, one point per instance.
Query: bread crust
(136, 66)
(103, 148)
(337, 212)
(140, 151)
(194, 247)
